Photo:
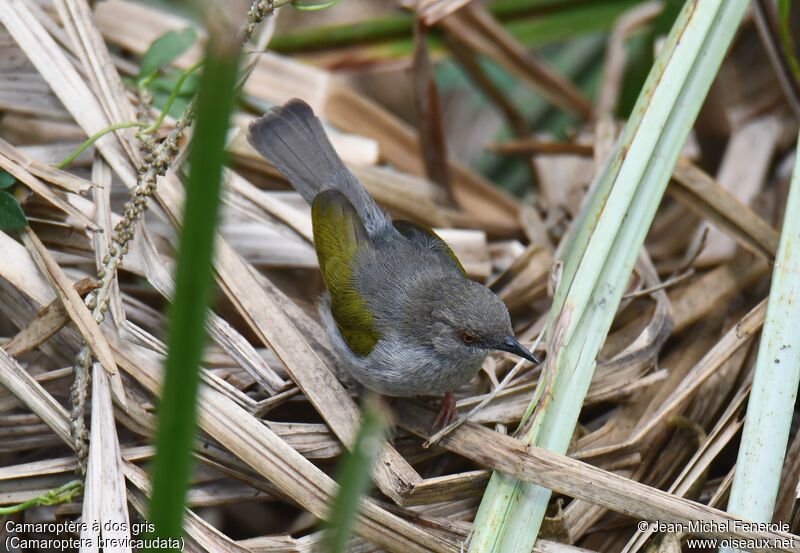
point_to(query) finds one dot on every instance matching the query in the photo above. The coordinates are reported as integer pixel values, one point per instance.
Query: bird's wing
(339, 234)
(426, 238)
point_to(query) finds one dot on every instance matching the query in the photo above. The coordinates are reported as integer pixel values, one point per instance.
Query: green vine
(787, 42)
(148, 129)
(313, 7)
(63, 494)
(94, 138)
(176, 90)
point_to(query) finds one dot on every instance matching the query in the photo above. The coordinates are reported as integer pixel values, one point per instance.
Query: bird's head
(467, 320)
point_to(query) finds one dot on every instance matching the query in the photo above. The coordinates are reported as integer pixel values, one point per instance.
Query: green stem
(173, 95)
(144, 83)
(787, 43)
(94, 138)
(53, 497)
(313, 7)
(533, 22)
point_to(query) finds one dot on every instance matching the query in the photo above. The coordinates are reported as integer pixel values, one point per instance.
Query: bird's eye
(468, 337)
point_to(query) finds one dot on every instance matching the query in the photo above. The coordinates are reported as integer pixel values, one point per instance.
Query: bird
(400, 311)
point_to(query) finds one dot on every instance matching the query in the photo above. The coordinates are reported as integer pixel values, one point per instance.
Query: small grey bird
(399, 308)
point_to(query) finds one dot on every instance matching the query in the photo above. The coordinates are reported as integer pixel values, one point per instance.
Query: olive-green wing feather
(339, 235)
(424, 236)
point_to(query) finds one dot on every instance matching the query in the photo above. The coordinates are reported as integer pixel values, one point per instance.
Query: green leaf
(164, 50)
(6, 179)
(769, 411)
(194, 287)
(11, 215)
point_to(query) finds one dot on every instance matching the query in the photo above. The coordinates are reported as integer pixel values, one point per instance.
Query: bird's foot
(446, 421)
(447, 412)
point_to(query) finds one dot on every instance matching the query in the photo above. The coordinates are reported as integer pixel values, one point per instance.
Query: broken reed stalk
(601, 252)
(777, 373)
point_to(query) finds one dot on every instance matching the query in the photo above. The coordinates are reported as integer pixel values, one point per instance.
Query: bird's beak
(511, 345)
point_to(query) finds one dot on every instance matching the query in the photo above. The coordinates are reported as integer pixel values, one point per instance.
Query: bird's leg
(447, 411)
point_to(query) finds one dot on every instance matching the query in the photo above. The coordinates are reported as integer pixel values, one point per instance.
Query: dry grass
(659, 427)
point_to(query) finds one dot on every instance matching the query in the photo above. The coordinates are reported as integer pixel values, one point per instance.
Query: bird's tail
(292, 139)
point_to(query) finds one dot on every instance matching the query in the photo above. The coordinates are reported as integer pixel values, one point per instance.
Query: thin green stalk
(62, 494)
(94, 138)
(313, 7)
(777, 373)
(172, 97)
(787, 40)
(193, 285)
(601, 253)
(354, 478)
(532, 22)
